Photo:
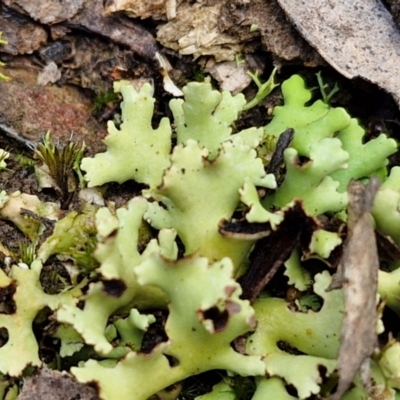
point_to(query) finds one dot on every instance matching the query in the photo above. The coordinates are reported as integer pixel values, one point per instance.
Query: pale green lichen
(21, 349)
(315, 334)
(219, 111)
(323, 243)
(118, 256)
(209, 164)
(194, 342)
(221, 391)
(3, 156)
(191, 192)
(129, 147)
(310, 181)
(71, 341)
(298, 276)
(13, 205)
(163, 250)
(132, 328)
(73, 236)
(386, 209)
(333, 147)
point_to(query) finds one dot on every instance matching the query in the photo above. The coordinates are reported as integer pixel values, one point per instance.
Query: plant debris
(358, 274)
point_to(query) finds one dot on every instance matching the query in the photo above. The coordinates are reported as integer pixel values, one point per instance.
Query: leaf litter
(358, 275)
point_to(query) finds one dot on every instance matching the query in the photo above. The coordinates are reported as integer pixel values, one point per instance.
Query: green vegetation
(164, 250)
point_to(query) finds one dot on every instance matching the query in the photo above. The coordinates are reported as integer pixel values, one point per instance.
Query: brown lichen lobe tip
(358, 275)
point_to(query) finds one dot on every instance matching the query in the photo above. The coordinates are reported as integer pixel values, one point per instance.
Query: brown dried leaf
(356, 37)
(387, 248)
(227, 27)
(120, 29)
(155, 9)
(229, 74)
(358, 274)
(273, 250)
(195, 31)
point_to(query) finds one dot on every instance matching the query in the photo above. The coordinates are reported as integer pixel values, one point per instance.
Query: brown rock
(22, 34)
(54, 385)
(32, 110)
